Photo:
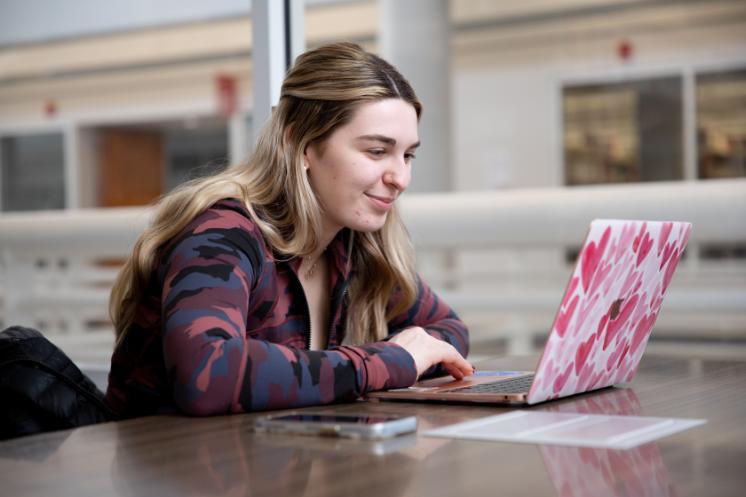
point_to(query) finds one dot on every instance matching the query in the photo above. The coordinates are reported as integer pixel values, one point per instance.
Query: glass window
(623, 132)
(32, 172)
(193, 153)
(721, 124)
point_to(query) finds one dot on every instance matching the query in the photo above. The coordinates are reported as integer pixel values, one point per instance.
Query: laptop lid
(610, 306)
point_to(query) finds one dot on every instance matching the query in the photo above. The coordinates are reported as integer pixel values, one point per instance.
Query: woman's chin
(369, 224)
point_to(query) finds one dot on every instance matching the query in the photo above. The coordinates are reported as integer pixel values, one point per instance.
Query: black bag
(41, 389)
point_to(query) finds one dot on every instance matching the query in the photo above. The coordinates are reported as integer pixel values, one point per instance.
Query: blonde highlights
(320, 93)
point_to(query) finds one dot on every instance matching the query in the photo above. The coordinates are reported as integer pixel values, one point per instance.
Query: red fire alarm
(227, 99)
(50, 108)
(624, 50)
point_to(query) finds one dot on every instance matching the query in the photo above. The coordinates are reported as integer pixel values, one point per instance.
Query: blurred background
(549, 112)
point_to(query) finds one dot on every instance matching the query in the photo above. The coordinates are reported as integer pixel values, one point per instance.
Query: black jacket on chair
(41, 389)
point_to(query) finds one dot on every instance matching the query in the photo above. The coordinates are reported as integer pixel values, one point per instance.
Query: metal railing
(500, 258)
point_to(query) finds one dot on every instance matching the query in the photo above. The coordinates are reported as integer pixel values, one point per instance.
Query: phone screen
(330, 418)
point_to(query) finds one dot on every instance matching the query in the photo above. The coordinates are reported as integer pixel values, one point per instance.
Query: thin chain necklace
(311, 270)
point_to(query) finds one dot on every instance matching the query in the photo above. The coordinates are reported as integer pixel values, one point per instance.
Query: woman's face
(364, 165)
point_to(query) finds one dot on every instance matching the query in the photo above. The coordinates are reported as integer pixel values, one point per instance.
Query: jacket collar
(337, 251)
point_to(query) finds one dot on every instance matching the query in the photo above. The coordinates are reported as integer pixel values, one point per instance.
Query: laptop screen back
(609, 307)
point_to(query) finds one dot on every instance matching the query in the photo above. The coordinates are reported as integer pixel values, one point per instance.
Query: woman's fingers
(453, 371)
(453, 362)
(428, 351)
(457, 366)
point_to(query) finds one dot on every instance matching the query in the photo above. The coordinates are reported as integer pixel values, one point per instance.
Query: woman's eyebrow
(385, 139)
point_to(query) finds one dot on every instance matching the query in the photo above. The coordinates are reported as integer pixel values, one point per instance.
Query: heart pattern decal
(610, 306)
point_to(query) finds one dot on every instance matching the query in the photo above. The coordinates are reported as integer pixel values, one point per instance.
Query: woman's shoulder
(227, 220)
(228, 215)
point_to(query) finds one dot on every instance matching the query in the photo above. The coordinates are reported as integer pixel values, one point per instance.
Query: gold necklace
(311, 270)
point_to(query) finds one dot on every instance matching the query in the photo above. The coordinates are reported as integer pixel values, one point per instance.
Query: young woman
(288, 281)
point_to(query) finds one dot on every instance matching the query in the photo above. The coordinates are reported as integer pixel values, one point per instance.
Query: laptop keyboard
(519, 384)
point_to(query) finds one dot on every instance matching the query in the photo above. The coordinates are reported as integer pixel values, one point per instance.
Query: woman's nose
(398, 175)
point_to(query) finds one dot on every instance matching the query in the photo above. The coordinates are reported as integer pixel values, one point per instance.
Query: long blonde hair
(320, 93)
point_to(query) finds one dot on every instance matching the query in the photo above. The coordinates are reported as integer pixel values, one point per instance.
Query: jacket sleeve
(431, 313)
(214, 367)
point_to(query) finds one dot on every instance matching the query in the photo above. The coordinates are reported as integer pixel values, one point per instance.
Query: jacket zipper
(308, 310)
(332, 311)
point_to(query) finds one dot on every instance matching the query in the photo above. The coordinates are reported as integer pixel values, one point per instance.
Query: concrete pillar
(239, 130)
(277, 38)
(414, 35)
(71, 137)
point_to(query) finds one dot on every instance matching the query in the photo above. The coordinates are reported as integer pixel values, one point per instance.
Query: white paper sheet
(562, 428)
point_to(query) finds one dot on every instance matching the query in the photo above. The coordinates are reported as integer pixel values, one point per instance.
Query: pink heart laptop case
(610, 306)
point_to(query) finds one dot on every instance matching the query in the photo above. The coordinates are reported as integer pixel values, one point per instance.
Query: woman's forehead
(393, 119)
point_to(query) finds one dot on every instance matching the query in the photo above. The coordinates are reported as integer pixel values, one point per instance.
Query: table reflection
(232, 460)
(204, 462)
(583, 471)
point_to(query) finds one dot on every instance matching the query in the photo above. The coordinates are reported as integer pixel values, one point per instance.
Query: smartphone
(368, 427)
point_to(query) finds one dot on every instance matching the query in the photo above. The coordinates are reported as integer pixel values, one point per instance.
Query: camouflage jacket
(224, 327)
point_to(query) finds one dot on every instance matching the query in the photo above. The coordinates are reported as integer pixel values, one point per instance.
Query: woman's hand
(428, 351)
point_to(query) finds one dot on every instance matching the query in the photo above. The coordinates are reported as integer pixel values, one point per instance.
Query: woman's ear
(305, 158)
(310, 155)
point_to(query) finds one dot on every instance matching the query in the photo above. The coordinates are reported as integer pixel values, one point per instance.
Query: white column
(414, 36)
(296, 28)
(238, 137)
(1, 172)
(87, 166)
(689, 92)
(691, 152)
(71, 162)
(80, 165)
(278, 37)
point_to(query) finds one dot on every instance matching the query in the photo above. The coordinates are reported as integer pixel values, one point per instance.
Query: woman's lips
(382, 203)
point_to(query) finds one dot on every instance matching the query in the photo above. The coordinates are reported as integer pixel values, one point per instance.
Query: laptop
(601, 327)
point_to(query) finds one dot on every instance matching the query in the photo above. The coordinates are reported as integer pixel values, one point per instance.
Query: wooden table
(168, 455)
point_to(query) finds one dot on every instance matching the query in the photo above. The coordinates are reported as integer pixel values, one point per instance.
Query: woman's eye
(376, 152)
(409, 156)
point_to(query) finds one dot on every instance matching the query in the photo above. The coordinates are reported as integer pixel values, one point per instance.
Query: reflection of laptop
(601, 328)
(588, 472)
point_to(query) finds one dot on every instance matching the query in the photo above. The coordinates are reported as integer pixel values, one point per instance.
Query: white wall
(505, 128)
(508, 80)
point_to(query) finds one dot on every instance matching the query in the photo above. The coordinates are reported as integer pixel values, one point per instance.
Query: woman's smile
(382, 203)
